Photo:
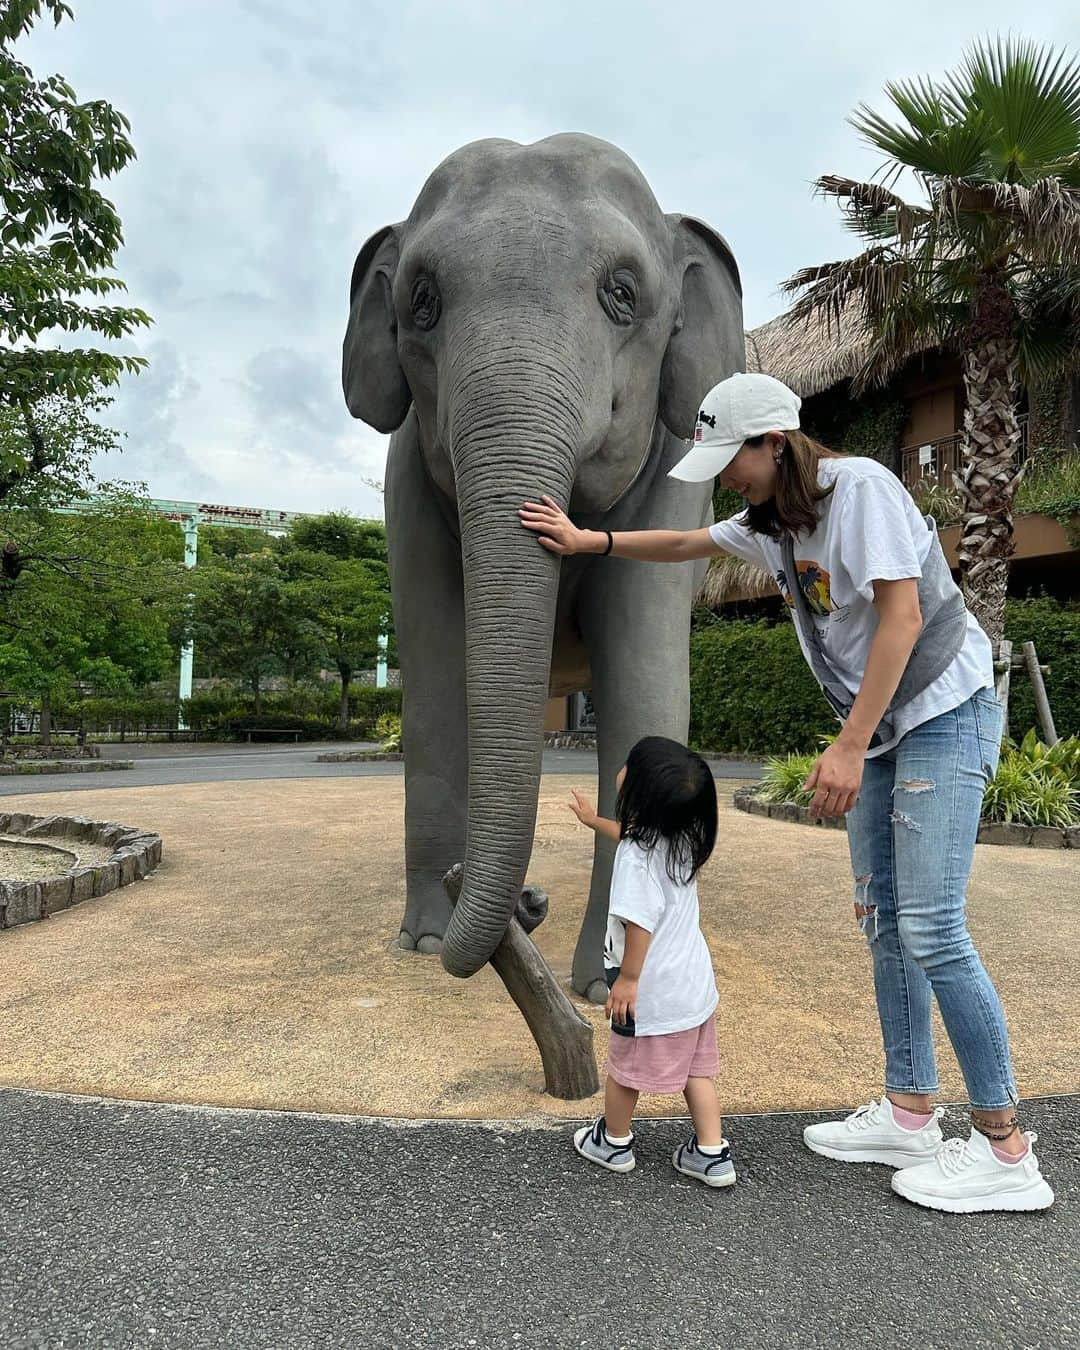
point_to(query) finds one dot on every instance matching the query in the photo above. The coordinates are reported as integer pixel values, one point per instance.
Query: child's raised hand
(583, 809)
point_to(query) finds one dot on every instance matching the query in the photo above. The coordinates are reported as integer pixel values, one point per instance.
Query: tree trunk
(989, 480)
(256, 689)
(46, 721)
(563, 1037)
(343, 708)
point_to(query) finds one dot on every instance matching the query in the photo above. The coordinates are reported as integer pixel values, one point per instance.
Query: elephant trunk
(514, 432)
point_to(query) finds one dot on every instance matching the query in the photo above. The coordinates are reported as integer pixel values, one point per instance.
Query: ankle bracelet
(996, 1130)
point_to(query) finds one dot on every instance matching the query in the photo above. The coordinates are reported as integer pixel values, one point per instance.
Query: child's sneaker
(872, 1135)
(592, 1142)
(714, 1169)
(967, 1177)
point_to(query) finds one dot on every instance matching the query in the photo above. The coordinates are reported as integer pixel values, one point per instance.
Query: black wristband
(610, 543)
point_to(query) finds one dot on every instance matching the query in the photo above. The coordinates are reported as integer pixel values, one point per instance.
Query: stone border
(359, 757)
(24, 753)
(136, 853)
(990, 832)
(32, 766)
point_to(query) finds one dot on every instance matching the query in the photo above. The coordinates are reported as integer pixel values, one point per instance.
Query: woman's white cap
(734, 410)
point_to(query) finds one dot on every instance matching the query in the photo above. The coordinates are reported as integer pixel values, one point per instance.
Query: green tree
(344, 605)
(242, 617)
(987, 264)
(92, 606)
(58, 239)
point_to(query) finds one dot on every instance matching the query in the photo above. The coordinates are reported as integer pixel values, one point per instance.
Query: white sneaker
(872, 1135)
(967, 1177)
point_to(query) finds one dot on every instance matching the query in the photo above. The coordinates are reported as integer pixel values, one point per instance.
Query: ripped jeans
(912, 839)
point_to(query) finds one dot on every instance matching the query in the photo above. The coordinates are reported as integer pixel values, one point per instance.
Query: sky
(275, 136)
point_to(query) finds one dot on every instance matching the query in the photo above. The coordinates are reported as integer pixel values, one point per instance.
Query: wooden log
(1003, 667)
(1042, 703)
(563, 1037)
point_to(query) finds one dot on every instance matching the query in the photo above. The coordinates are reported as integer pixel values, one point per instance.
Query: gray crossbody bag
(944, 631)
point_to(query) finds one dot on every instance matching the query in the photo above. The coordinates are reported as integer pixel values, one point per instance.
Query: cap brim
(704, 462)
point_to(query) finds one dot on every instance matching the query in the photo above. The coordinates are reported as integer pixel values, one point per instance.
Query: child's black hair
(669, 793)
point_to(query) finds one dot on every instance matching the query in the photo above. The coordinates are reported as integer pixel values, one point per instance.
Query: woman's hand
(835, 779)
(557, 531)
(583, 809)
(622, 1001)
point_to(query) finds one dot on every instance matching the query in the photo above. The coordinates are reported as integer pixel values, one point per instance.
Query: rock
(1071, 836)
(1047, 836)
(55, 895)
(22, 902)
(106, 878)
(82, 885)
(124, 859)
(46, 825)
(996, 832)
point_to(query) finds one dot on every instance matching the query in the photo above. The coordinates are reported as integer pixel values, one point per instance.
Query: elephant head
(539, 312)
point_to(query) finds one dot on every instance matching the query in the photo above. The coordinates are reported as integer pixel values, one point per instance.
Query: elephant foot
(597, 992)
(428, 945)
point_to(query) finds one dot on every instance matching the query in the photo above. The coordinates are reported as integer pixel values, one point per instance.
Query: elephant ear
(375, 386)
(708, 343)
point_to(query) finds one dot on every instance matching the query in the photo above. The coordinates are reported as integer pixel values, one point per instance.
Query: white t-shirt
(677, 988)
(869, 529)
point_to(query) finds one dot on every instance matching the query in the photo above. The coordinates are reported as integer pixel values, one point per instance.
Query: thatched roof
(808, 356)
(728, 578)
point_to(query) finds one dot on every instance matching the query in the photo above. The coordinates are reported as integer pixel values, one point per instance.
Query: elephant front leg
(429, 620)
(638, 632)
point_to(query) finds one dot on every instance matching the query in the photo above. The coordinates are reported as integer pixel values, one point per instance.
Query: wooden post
(1042, 703)
(563, 1037)
(1003, 662)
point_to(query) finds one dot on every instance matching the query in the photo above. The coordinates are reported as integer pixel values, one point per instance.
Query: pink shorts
(664, 1063)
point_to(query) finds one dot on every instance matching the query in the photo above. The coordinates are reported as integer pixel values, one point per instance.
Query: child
(663, 994)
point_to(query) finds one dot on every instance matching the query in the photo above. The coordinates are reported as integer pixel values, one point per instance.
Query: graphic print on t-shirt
(814, 582)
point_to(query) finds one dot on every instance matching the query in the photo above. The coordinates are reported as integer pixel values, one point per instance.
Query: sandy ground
(257, 967)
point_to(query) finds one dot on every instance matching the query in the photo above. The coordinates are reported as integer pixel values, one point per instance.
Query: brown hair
(793, 507)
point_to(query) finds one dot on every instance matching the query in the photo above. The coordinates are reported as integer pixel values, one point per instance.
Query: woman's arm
(559, 534)
(837, 776)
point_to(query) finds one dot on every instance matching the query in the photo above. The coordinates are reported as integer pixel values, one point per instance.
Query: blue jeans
(912, 838)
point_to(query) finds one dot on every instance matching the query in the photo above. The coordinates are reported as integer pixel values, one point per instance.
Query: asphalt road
(165, 764)
(128, 1225)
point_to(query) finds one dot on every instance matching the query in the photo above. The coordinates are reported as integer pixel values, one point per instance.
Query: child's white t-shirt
(677, 988)
(869, 529)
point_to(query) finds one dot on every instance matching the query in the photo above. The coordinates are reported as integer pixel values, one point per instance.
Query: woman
(910, 673)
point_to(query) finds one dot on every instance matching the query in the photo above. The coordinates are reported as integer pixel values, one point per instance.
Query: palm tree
(987, 264)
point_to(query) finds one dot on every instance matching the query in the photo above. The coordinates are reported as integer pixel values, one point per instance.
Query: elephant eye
(618, 294)
(425, 303)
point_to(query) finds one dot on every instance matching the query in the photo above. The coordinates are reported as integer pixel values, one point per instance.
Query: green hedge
(1054, 627)
(751, 691)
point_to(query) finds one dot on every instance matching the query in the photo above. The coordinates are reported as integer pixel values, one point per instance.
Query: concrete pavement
(129, 1226)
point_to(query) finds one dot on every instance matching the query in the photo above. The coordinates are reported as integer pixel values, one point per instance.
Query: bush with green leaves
(751, 691)
(388, 733)
(1054, 627)
(1036, 784)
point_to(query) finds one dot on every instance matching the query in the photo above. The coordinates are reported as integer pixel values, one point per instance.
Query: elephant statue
(537, 325)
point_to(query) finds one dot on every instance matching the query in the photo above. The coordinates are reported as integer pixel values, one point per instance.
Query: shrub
(1035, 784)
(1054, 627)
(751, 691)
(783, 779)
(388, 731)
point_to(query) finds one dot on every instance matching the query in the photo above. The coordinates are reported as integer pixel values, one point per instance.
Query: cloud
(274, 136)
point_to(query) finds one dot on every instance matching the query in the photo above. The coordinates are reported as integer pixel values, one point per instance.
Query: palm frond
(873, 208)
(1045, 216)
(934, 141)
(1031, 96)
